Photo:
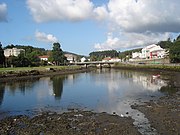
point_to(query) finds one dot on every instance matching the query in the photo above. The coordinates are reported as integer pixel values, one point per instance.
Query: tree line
(30, 56)
(99, 55)
(173, 47)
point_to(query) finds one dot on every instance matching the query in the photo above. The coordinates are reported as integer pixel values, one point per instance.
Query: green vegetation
(128, 54)
(2, 57)
(144, 66)
(30, 56)
(99, 55)
(173, 48)
(57, 55)
(41, 68)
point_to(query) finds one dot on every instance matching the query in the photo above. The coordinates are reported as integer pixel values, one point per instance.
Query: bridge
(96, 63)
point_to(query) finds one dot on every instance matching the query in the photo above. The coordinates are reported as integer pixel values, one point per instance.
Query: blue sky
(83, 26)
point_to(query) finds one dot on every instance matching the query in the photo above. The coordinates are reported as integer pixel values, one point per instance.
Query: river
(107, 90)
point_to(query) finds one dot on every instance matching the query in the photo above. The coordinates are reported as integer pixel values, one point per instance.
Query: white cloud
(43, 37)
(3, 12)
(100, 13)
(58, 10)
(145, 15)
(140, 22)
(130, 40)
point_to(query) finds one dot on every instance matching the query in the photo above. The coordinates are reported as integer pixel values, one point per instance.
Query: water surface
(108, 90)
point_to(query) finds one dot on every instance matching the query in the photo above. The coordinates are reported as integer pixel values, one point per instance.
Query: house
(71, 57)
(106, 59)
(44, 58)
(115, 60)
(83, 59)
(150, 52)
(12, 52)
(136, 55)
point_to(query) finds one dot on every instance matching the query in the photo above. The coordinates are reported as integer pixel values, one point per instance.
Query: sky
(83, 26)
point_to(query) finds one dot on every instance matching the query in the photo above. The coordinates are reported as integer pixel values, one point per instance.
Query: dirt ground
(164, 115)
(74, 122)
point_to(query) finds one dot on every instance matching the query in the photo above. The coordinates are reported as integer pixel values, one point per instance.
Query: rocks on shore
(68, 123)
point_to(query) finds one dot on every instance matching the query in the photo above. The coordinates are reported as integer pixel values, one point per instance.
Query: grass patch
(148, 66)
(41, 69)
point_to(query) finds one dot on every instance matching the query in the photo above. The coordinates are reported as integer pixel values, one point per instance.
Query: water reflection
(21, 86)
(2, 90)
(57, 84)
(136, 87)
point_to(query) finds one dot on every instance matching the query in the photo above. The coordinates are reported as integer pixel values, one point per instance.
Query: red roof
(44, 56)
(107, 58)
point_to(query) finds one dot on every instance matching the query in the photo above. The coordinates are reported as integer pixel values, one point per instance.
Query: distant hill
(66, 52)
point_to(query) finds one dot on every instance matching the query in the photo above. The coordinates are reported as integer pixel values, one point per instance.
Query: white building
(83, 59)
(12, 52)
(71, 57)
(136, 55)
(149, 52)
(115, 60)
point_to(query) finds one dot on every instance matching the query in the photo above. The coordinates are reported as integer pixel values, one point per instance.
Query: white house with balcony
(12, 52)
(150, 52)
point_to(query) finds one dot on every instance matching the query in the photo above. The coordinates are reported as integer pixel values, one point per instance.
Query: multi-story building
(12, 52)
(149, 52)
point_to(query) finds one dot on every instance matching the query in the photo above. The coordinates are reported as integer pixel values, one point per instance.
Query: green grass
(146, 66)
(44, 68)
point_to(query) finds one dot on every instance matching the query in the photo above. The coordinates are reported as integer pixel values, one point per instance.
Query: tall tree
(174, 52)
(2, 57)
(57, 54)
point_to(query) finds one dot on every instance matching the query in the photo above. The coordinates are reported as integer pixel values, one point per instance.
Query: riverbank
(164, 114)
(143, 66)
(74, 122)
(13, 74)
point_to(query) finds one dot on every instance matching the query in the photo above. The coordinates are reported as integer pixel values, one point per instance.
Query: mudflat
(74, 122)
(164, 114)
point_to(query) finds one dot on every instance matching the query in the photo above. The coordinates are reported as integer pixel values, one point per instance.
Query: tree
(33, 58)
(57, 54)
(178, 38)
(174, 52)
(2, 57)
(99, 55)
(165, 44)
(22, 60)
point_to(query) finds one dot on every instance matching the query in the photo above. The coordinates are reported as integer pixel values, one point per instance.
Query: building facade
(71, 57)
(150, 52)
(12, 52)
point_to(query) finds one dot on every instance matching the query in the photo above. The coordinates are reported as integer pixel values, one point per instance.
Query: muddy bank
(33, 74)
(164, 114)
(75, 122)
